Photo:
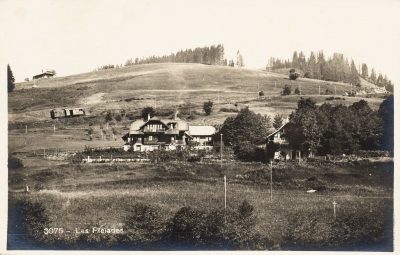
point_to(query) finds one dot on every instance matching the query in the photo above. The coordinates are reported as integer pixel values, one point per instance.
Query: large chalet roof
(201, 130)
(135, 126)
(179, 124)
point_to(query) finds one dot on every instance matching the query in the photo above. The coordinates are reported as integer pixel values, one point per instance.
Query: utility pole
(319, 89)
(335, 90)
(218, 97)
(270, 187)
(220, 150)
(26, 129)
(54, 129)
(275, 84)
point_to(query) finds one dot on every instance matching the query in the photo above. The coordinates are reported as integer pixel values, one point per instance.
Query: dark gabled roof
(276, 131)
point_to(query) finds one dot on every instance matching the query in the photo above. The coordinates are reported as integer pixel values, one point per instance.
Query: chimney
(148, 116)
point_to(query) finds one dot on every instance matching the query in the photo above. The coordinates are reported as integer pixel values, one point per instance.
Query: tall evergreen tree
(302, 61)
(321, 65)
(373, 76)
(364, 71)
(312, 65)
(355, 79)
(10, 79)
(295, 60)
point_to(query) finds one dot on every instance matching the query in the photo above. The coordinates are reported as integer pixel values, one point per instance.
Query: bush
(216, 229)
(293, 75)
(297, 91)
(144, 224)
(118, 118)
(35, 219)
(14, 163)
(207, 107)
(108, 117)
(147, 111)
(287, 90)
(320, 229)
(249, 152)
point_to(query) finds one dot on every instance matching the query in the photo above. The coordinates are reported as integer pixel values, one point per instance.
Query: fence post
(225, 190)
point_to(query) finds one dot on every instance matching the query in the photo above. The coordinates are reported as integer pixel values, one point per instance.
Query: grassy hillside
(167, 86)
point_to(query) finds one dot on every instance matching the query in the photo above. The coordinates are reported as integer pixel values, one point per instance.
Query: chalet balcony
(154, 130)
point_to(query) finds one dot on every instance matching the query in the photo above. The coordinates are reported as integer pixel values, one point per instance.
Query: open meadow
(79, 196)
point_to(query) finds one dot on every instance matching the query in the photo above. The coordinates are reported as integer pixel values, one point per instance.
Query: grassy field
(78, 196)
(169, 85)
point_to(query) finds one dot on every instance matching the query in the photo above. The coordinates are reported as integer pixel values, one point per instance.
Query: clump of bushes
(287, 90)
(144, 225)
(217, 229)
(192, 228)
(334, 98)
(34, 219)
(14, 163)
(314, 230)
(247, 151)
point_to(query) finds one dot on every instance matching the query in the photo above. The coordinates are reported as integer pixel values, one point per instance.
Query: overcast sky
(78, 36)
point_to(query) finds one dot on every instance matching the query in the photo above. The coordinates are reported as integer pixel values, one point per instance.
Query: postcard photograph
(179, 125)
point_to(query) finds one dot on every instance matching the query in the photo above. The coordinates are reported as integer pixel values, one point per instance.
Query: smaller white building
(202, 136)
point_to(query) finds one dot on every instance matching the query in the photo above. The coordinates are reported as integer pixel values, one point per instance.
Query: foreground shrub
(14, 163)
(144, 224)
(217, 229)
(322, 230)
(34, 220)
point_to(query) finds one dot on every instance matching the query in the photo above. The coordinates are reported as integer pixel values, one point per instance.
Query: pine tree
(364, 71)
(295, 60)
(302, 61)
(355, 79)
(321, 65)
(10, 79)
(379, 80)
(239, 59)
(373, 76)
(312, 65)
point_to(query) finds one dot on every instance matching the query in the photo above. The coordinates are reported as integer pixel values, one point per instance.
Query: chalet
(43, 75)
(279, 137)
(167, 134)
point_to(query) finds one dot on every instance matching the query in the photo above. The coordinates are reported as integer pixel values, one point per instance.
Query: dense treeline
(213, 55)
(335, 68)
(337, 129)
(312, 129)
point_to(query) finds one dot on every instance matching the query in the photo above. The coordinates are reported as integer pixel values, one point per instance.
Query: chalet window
(150, 138)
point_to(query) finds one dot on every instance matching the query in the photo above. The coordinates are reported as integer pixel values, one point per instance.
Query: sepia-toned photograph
(149, 125)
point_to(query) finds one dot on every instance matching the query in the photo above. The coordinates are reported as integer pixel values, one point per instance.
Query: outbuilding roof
(201, 130)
